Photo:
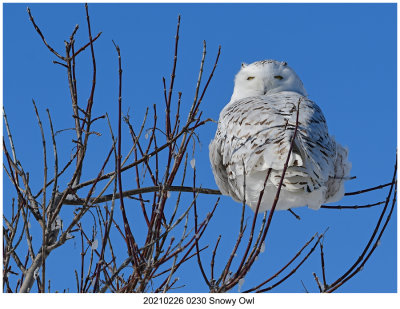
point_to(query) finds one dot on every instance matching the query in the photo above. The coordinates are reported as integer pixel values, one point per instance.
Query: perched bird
(253, 138)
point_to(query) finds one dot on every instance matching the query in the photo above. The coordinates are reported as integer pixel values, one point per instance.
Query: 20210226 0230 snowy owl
(253, 139)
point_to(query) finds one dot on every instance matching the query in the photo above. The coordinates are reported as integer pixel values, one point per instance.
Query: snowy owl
(253, 138)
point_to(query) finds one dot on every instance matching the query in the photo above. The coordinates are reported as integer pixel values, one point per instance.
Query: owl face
(265, 77)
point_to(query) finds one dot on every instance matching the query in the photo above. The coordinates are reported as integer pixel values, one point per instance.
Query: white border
(283, 300)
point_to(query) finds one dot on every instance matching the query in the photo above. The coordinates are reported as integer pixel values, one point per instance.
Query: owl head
(266, 77)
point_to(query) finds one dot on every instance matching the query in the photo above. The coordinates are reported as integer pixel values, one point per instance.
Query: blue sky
(344, 53)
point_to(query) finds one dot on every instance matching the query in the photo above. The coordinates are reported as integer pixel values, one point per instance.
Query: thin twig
(86, 45)
(369, 189)
(321, 246)
(284, 267)
(352, 206)
(42, 36)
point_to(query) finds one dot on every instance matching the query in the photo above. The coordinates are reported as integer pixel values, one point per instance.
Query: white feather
(254, 134)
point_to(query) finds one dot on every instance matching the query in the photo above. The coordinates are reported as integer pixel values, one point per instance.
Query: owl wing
(255, 133)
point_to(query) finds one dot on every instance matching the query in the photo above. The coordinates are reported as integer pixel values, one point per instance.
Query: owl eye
(250, 77)
(278, 77)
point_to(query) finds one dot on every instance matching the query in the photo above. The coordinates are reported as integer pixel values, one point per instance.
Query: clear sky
(344, 53)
